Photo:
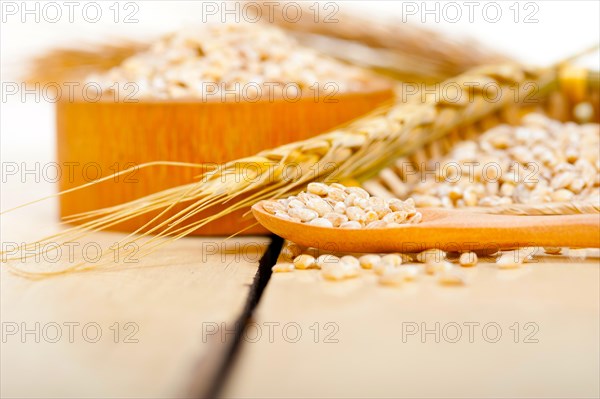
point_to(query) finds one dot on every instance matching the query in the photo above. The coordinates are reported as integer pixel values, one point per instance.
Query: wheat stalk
(405, 51)
(356, 151)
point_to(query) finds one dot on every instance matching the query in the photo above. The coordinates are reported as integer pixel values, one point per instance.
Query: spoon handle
(560, 230)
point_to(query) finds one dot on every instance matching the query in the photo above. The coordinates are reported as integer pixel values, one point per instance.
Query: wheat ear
(403, 50)
(356, 151)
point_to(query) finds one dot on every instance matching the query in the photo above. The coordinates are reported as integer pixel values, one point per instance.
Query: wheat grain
(369, 261)
(553, 250)
(304, 261)
(437, 267)
(468, 259)
(392, 259)
(283, 267)
(432, 255)
(452, 277)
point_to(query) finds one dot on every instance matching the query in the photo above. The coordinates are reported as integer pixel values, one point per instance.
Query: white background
(562, 27)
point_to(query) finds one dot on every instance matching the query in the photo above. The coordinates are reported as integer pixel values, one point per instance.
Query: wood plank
(373, 354)
(168, 299)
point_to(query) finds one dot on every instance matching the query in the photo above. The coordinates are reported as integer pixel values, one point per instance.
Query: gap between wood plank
(257, 288)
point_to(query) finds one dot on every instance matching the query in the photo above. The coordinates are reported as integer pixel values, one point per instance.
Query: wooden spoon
(450, 230)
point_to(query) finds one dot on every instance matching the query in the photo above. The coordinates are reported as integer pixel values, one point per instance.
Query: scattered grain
(392, 259)
(468, 259)
(437, 267)
(304, 261)
(369, 261)
(553, 250)
(392, 277)
(326, 259)
(432, 255)
(452, 277)
(508, 260)
(283, 267)
(339, 271)
(290, 250)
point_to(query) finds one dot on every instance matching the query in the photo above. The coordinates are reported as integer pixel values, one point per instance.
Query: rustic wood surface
(364, 351)
(169, 300)
(169, 296)
(172, 294)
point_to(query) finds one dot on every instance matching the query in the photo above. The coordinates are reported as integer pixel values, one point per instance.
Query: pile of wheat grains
(247, 61)
(336, 205)
(540, 161)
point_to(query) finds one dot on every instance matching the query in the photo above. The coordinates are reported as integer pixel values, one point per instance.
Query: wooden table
(530, 332)
(356, 338)
(155, 319)
(309, 337)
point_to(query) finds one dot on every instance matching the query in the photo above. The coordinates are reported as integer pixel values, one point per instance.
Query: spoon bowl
(447, 229)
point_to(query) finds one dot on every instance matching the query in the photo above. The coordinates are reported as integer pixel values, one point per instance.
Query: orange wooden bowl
(99, 139)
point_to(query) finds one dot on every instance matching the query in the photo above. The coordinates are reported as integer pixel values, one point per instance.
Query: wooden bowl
(101, 138)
